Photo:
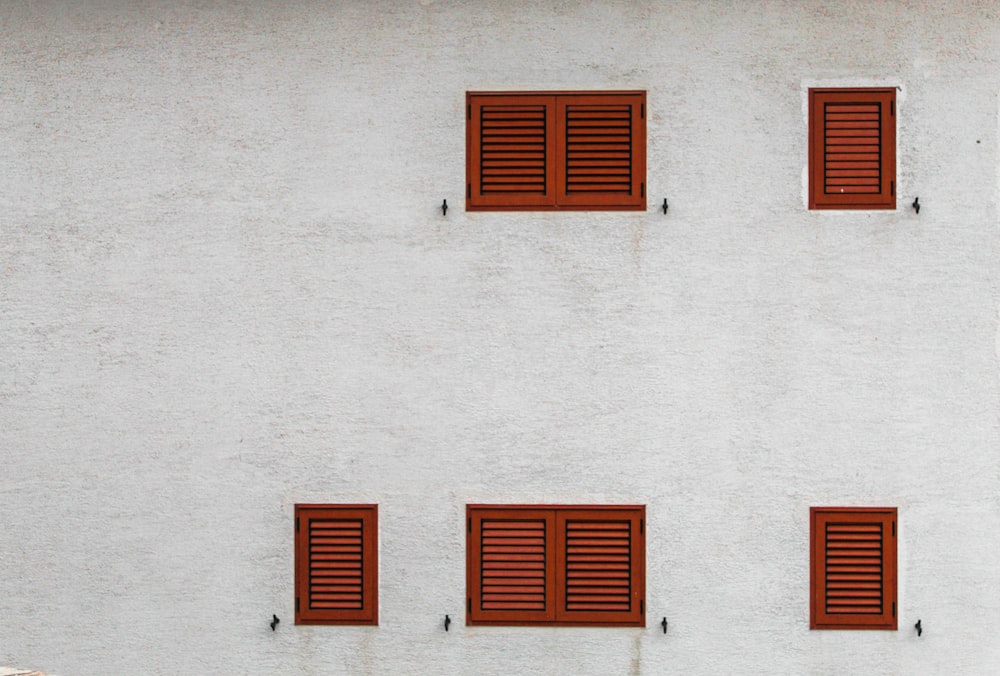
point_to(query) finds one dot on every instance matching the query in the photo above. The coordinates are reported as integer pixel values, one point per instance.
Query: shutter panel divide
(853, 570)
(601, 558)
(601, 143)
(852, 148)
(336, 566)
(511, 149)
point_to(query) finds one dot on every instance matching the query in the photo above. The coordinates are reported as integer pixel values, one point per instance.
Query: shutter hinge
(470, 523)
(468, 604)
(642, 188)
(296, 604)
(468, 191)
(642, 526)
(297, 524)
(642, 111)
(893, 529)
(642, 606)
(470, 110)
(892, 187)
(894, 609)
(892, 107)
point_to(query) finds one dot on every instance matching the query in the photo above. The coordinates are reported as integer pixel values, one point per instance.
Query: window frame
(367, 516)
(819, 518)
(885, 198)
(557, 519)
(556, 196)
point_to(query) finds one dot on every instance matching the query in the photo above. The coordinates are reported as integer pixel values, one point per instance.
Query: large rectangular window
(555, 150)
(556, 565)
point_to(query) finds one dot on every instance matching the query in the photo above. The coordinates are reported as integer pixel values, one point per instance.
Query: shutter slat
(853, 568)
(852, 130)
(336, 546)
(594, 551)
(595, 134)
(513, 565)
(513, 132)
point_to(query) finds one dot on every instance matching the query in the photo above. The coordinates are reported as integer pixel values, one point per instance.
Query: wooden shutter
(601, 150)
(601, 558)
(510, 568)
(555, 150)
(559, 565)
(853, 571)
(511, 150)
(852, 149)
(336, 564)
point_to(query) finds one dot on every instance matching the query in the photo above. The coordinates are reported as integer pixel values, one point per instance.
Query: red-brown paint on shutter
(336, 564)
(511, 147)
(852, 148)
(601, 151)
(853, 568)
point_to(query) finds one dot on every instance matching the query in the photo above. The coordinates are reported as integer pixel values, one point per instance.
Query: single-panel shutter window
(556, 150)
(557, 565)
(853, 572)
(852, 148)
(336, 564)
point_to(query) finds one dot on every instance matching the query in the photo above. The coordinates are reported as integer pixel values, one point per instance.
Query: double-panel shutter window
(853, 568)
(557, 565)
(336, 564)
(852, 148)
(556, 150)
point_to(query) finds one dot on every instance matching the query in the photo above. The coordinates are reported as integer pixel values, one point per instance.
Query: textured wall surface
(226, 287)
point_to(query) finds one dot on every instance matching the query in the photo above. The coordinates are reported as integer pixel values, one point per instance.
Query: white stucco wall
(226, 287)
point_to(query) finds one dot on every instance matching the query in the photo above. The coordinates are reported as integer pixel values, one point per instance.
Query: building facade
(228, 288)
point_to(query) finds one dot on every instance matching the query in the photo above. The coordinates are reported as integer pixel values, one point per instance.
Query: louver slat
(598, 565)
(514, 156)
(852, 149)
(336, 564)
(853, 157)
(598, 149)
(513, 568)
(853, 568)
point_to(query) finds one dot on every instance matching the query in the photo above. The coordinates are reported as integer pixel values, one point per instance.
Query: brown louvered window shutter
(555, 150)
(601, 150)
(557, 565)
(853, 568)
(336, 564)
(852, 148)
(601, 554)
